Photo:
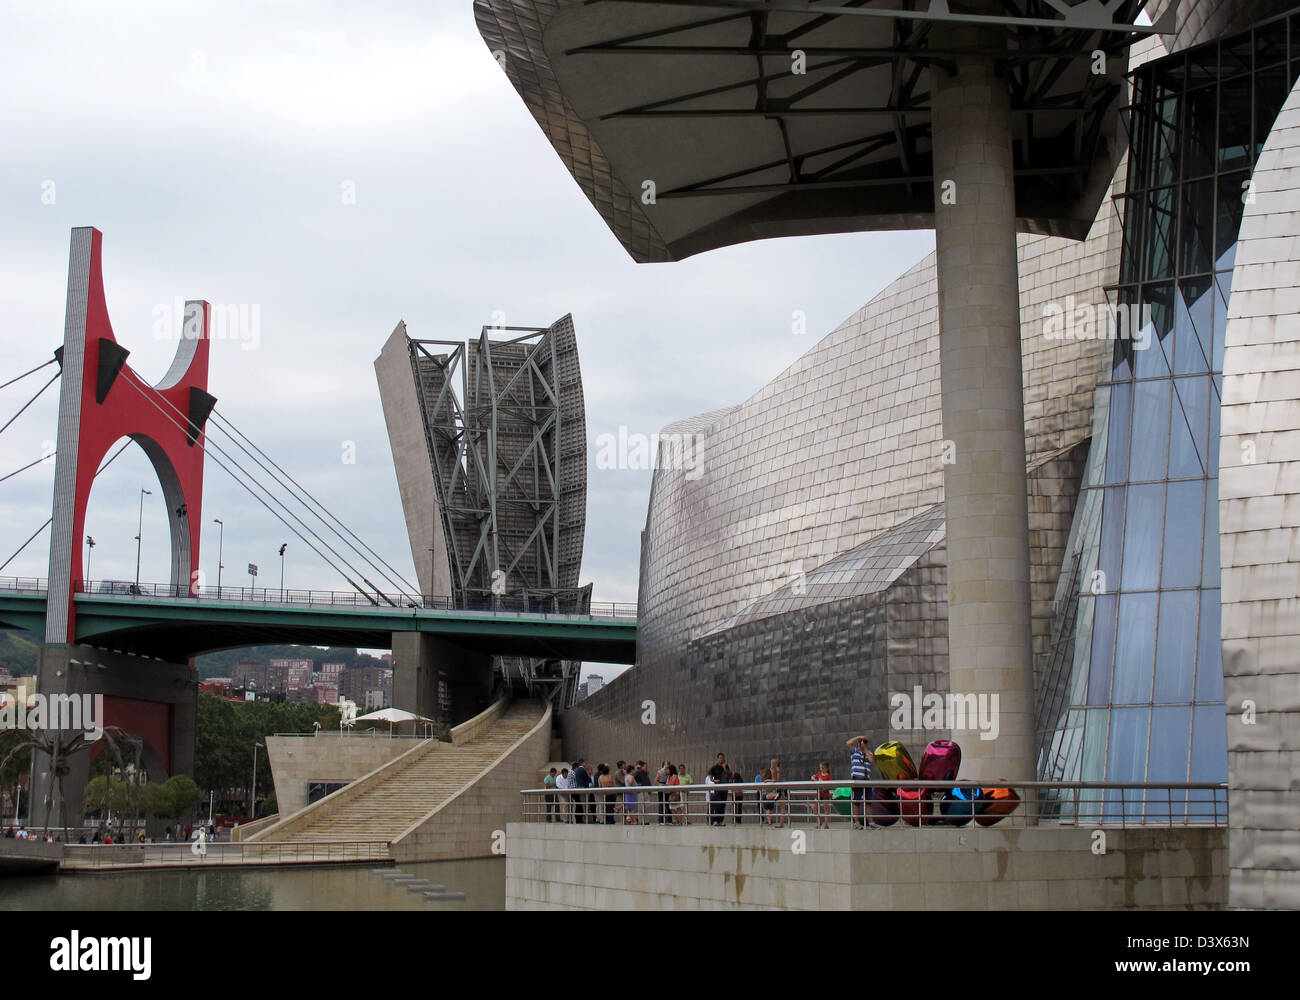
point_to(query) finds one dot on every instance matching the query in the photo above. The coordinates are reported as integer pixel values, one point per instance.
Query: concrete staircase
(391, 800)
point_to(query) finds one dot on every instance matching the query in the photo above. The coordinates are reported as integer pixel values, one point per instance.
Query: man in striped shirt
(860, 770)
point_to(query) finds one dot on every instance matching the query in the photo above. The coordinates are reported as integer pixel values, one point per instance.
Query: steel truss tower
(505, 426)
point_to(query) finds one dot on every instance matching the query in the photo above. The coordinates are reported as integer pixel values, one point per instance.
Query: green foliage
(184, 794)
(19, 651)
(157, 800)
(228, 732)
(107, 794)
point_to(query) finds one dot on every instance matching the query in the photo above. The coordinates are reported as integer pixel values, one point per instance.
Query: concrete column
(990, 654)
(147, 698)
(423, 662)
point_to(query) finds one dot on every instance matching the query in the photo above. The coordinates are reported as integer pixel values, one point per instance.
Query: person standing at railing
(823, 797)
(737, 798)
(661, 778)
(643, 780)
(717, 775)
(629, 796)
(782, 794)
(581, 779)
(674, 797)
(562, 784)
(549, 784)
(605, 780)
(860, 761)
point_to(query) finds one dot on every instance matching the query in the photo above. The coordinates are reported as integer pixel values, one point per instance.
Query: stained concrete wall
(297, 761)
(558, 866)
(467, 824)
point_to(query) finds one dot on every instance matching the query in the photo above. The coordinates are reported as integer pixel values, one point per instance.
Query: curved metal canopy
(697, 125)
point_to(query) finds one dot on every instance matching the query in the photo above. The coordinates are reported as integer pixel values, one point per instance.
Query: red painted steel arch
(155, 417)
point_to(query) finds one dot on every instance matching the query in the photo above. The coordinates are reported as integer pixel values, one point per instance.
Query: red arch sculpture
(102, 400)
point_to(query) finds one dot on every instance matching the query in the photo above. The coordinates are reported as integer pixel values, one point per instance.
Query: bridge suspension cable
(38, 461)
(51, 519)
(30, 371)
(247, 481)
(400, 582)
(52, 380)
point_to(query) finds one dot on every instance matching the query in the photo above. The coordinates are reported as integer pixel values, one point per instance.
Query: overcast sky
(215, 146)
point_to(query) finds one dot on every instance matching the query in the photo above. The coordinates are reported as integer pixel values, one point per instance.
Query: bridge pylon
(101, 400)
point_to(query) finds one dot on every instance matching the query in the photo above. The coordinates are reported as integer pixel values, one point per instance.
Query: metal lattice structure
(505, 426)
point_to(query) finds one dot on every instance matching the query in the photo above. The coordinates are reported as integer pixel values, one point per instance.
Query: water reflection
(482, 881)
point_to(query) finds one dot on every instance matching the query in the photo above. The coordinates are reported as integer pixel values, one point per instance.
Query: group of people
(103, 835)
(22, 833)
(633, 806)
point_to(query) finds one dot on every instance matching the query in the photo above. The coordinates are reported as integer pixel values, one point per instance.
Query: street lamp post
(282, 548)
(221, 542)
(139, 535)
(252, 799)
(90, 548)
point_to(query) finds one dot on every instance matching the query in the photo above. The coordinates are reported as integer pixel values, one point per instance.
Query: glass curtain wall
(1140, 695)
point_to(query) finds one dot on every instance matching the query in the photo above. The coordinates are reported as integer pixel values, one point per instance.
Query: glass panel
(1112, 538)
(1209, 744)
(1153, 349)
(1234, 56)
(1122, 365)
(1126, 758)
(1165, 147)
(1196, 235)
(1188, 423)
(1199, 149)
(1223, 283)
(1176, 645)
(1162, 208)
(1203, 65)
(1133, 208)
(1234, 124)
(1270, 43)
(1171, 734)
(1142, 537)
(1093, 763)
(1103, 650)
(1210, 557)
(1232, 191)
(1150, 430)
(1117, 437)
(1184, 521)
(1193, 325)
(1135, 649)
(1209, 652)
(1270, 95)
(1083, 638)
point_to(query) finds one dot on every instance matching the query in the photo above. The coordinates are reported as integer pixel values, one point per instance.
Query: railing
(361, 734)
(887, 803)
(219, 854)
(506, 604)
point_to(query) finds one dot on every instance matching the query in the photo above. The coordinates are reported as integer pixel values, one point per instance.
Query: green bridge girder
(176, 629)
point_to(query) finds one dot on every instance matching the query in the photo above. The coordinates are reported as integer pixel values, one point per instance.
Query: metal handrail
(183, 853)
(1068, 803)
(505, 605)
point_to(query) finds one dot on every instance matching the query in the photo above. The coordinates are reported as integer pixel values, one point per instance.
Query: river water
(482, 881)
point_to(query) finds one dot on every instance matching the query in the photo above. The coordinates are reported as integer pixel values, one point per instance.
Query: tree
(184, 794)
(156, 800)
(104, 796)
